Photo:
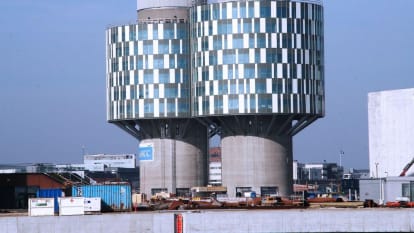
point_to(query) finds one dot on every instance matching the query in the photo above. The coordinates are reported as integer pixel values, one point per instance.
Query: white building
(98, 162)
(391, 131)
(386, 189)
(215, 173)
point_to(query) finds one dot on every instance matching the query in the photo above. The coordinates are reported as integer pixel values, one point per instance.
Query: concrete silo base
(261, 164)
(176, 167)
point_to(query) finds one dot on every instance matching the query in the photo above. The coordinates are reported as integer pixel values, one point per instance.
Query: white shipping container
(92, 204)
(41, 206)
(71, 206)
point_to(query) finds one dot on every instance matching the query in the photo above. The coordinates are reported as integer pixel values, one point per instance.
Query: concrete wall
(329, 220)
(163, 13)
(162, 3)
(318, 220)
(249, 161)
(176, 164)
(391, 131)
(89, 224)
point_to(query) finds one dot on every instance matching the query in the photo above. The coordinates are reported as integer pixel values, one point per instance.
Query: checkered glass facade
(236, 57)
(252, 57)
(148, 71)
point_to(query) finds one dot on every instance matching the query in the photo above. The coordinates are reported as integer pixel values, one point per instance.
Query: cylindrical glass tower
(148, 91)
(251, 71)
(257, 73)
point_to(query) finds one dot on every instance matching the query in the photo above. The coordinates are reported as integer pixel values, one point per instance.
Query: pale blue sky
(52, 80)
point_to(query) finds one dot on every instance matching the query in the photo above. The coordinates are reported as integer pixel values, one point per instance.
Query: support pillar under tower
(259, 164)
(256, 152)
(177, 154)
(176, 167)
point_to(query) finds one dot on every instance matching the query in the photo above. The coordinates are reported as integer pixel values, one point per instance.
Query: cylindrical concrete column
(175, 164)
(175, 161)
(261, 164)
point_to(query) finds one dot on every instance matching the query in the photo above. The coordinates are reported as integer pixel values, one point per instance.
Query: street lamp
(376, 168)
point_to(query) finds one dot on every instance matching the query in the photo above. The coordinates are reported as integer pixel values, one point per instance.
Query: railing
(162, 20)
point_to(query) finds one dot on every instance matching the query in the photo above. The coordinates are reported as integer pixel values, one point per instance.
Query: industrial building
(16, 188)
(391, 131)
(249, 71)
(214, 174)
(319, 177)
(99, 162)
(387, 189)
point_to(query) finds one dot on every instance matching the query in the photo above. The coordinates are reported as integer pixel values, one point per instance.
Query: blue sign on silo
(146, 152)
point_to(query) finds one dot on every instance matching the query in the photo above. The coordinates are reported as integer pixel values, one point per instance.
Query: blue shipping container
(115, 197)
(49, 193)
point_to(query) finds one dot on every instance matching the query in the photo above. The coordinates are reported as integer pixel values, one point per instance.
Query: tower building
(251, 71)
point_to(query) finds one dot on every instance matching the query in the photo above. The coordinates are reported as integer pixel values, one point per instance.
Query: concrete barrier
(320, 220)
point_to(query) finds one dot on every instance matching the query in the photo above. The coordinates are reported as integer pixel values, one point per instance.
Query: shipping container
(115, 197)
(71, 206)
(52, 193)
(41, 207)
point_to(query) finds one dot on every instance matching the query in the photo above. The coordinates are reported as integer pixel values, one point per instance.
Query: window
(269, 190)
(132, 33)
(234, 102)
(148, 108)
(158, 61)
(183, 192)
(238, 41)
(148, 47)
(241, 190)
(265, 103)
(164, 76)
(233, 87)
(168, 31)
(148, 76)
(261, 40)
(158, 190)
(223, 89)
(247, 26)
(181, 31)
(229, 57)
(163, 47)
(175, 46)
(224, 11)
(264, 9)
(260, 86)
(155, 32)
(234, 10)
(140, 62)
(218, 104)
(249, 71)
(282, 9)
(242, 10)
(217, 43)
(243, 56)
(171, 91)
(143, 32)
(171, 107)
(264, 71)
